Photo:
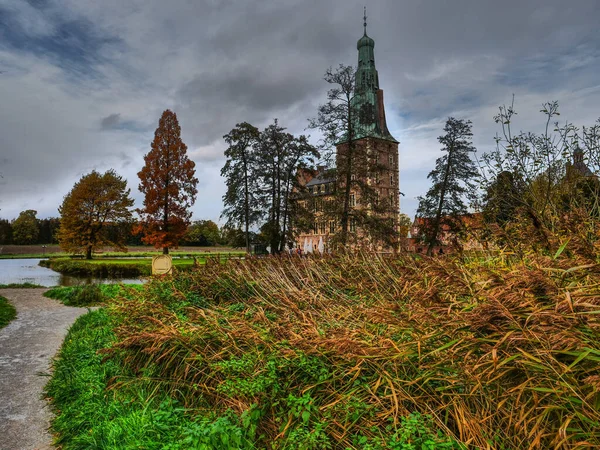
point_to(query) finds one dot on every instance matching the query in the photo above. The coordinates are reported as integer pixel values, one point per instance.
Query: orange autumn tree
(168, 183)
(95, 201)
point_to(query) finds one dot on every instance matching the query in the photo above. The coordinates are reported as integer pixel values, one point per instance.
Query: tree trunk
(246, 205)
(347, 189)
(285, 213)
(88, 252)
(165, 250)
(276, 235)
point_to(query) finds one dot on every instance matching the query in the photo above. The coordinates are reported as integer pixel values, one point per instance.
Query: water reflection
(28, 271)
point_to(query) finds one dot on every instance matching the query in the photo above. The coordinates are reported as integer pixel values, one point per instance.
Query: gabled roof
(319, 179)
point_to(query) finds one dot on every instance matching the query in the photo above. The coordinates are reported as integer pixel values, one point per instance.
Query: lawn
(36, 251)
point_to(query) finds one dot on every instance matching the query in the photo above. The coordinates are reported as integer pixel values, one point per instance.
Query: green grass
(20, 286)
(225, 252)
(89, 415)
(99, 268)
(117, 268)
(91, 294)
(7, 312)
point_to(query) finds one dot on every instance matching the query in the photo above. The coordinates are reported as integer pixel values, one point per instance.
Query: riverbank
(125, 268)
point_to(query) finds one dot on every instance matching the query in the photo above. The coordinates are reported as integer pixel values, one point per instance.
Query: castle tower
(374, 192)
(378, 163)
(368, 97)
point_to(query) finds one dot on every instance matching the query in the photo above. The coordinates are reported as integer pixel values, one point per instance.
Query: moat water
(28, 271)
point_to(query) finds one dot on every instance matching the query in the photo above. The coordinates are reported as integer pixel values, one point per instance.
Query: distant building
(578, 168)
(473, 226)
(373, 139)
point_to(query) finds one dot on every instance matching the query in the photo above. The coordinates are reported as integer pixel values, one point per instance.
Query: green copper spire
(368, 98)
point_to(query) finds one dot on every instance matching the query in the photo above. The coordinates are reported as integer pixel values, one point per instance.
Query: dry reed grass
(502, 353)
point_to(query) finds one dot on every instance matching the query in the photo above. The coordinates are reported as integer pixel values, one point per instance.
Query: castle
(374, 180)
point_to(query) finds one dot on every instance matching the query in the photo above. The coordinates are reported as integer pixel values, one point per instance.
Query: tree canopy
(453, 183)
(542, 189)
(203, 233)
(261, 176)
(168, 183)
(25, 229)
(94, 202)
(241, 206)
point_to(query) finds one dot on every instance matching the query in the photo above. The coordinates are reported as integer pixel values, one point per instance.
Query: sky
(83, 82)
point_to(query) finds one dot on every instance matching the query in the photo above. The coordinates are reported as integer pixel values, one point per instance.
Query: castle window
(332, 226)
(322, 227)
(315, 228)
(322, 188)
(352, 200)
(391, 179)
(391, 160)
(352, 225)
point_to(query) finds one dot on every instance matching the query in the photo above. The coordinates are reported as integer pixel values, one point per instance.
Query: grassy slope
(92, 294)
(7, 312)
(353, 352)
(91, 416)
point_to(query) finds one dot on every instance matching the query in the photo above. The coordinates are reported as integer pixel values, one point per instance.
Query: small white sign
(162, 264)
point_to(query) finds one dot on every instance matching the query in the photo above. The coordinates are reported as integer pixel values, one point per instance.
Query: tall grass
(339, 352)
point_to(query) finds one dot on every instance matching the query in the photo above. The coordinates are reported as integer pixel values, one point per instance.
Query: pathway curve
(27, 345)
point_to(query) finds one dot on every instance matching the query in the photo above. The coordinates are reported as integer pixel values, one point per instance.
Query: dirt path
(27, 345)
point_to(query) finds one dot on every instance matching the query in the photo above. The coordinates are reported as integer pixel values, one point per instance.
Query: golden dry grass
(502, 353)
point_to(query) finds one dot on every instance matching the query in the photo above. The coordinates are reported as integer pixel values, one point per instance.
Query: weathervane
(365, 21)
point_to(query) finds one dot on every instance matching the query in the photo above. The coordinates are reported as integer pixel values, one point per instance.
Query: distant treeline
(29, 230)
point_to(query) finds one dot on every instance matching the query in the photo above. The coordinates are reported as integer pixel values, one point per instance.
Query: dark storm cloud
(110, 121)
(85, 81)
(75, 45)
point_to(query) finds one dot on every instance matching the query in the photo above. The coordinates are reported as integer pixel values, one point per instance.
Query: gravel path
(27, 345)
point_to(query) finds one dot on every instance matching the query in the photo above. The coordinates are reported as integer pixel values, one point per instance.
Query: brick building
(377, 152)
